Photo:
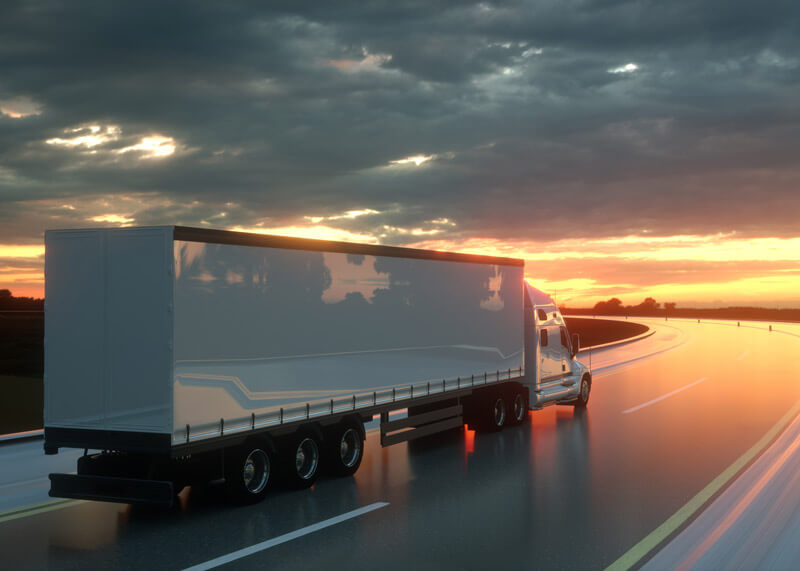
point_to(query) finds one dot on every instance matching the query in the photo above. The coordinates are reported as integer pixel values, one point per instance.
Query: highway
(668, 454)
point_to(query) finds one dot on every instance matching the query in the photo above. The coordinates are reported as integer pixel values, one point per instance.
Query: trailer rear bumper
(112, 489)
(98, 439)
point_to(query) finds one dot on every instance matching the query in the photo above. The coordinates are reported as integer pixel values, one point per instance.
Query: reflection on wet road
(567, 489)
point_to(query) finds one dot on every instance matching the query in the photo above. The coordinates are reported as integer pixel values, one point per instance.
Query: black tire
(583, 396)
(248, 472)
(494, 414)
(344, 448)
(301, 460)
(517, 407)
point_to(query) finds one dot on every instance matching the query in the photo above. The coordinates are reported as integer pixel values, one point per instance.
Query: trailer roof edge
(236, 238)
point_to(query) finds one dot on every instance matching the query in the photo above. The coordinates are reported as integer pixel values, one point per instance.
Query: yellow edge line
(638, 551)
(38, 509)
(24, 508)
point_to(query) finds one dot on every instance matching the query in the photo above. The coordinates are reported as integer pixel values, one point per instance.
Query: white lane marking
(233, 556)
(662, 397)
(38, 482)
(743, 355)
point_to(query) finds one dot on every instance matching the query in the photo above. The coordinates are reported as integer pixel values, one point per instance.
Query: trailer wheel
(248, 472)
(345, 448)
(518, 407)
(583, 396)
(302, 460)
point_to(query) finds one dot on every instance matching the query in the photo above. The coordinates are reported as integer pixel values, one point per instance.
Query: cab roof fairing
(537, 298)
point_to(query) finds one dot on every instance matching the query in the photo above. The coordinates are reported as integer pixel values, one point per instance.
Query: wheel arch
(264, 439)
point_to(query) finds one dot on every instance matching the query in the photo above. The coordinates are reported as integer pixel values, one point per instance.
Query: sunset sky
(623, 149)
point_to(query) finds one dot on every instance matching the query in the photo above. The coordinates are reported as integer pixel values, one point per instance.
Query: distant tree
(610, 307)
(8, 301)
(649, 304)
(670, 305)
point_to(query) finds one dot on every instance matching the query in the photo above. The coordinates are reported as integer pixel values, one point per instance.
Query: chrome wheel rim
(255, 472)
(499, 412)
(350, 448)
(519, 407)
(584, 391)
(306, 458)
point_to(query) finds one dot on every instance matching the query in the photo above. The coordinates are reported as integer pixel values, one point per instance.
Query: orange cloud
(32, 251)
(717, 269)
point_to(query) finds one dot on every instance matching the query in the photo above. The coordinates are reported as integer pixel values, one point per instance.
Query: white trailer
(192, 354)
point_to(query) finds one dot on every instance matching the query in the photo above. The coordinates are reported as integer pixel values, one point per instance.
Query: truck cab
(553, 373)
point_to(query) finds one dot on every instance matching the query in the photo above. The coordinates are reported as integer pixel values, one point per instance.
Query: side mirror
(576, 344)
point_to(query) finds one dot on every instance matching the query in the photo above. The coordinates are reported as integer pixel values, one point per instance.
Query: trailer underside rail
(367, 402)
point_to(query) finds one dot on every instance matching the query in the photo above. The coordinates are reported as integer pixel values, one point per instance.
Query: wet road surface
(568, 489)
(753, 524)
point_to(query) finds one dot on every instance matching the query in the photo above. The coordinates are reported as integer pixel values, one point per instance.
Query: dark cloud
(280, 110)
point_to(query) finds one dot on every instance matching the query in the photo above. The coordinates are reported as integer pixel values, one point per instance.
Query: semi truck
(176, 356)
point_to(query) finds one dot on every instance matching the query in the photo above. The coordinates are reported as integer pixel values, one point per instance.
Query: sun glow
(627, 68)
(706, 270)
(113, 219)
(316, 232)
(21, 272)
(349, 215)
(395, 230)
(21, 251)
(153, 147)
(584, 271)
(714, 248)
(98, 139)
(87, 137)
(416, 160)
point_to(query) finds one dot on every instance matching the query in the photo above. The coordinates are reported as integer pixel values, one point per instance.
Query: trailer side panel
(258, 329)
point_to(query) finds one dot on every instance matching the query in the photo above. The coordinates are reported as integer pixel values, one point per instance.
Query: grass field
(21, 404)
(599, 331)
(21, 344)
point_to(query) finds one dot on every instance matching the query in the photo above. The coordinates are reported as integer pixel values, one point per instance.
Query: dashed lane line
(662, 397)
(233, 556)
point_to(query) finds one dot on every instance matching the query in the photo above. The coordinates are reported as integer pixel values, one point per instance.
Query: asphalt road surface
(671, 421)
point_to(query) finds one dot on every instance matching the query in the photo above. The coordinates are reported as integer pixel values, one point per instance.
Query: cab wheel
(583, 395)
(302, 460)
(518, 408)
(248, 473)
